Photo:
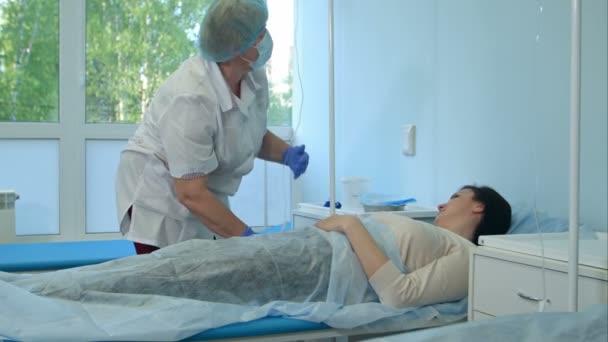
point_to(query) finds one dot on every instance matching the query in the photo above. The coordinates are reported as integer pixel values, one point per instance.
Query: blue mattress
(58, 255)
(259, 327)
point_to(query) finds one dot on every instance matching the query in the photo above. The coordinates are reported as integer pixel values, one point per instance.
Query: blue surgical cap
(230, 27)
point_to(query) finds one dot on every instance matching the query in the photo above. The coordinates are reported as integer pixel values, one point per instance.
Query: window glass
(29, 60)
(101, 165)
(132, 46)
(281, 27)
(37, 209)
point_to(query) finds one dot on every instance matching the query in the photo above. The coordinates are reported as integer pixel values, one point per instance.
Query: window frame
(72, 132)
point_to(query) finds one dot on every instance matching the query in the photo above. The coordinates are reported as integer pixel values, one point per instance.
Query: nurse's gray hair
(230, 27)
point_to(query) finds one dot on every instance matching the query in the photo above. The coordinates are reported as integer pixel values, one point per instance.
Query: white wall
(485, 82)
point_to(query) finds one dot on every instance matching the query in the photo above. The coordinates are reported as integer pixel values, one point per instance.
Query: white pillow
(523, 221)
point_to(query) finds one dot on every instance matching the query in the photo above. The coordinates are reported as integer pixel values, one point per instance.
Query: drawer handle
(534, 299)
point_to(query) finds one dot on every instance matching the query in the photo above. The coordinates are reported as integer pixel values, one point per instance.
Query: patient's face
(460, 206)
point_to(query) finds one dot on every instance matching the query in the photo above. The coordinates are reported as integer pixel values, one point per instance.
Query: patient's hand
(368, 252)
(338, 223)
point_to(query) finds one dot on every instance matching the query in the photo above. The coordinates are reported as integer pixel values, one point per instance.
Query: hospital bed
(40, 257)
(43, 257)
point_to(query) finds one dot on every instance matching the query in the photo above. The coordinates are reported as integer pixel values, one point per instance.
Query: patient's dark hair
(496, 218)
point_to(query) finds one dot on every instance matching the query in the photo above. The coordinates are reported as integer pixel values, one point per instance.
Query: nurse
(200, 135)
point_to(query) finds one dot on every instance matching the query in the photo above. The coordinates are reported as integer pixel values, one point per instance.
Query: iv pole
(575, 118)
(332, 139)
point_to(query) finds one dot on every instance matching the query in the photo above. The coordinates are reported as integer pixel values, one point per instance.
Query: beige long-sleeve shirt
(437, 261)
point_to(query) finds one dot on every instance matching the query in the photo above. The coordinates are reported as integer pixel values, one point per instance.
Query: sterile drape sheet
(196, 285)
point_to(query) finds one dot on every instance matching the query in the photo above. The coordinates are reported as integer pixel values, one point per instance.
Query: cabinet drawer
(478, 316)
(500, 288)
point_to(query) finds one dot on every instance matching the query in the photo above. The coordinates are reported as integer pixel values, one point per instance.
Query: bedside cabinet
(503, 282)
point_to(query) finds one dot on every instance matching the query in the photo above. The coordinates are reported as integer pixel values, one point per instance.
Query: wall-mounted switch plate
(409, 140)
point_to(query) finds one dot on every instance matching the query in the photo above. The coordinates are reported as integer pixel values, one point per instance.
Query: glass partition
(487, 86)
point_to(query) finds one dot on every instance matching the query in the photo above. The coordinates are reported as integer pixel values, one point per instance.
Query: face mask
(264, 48)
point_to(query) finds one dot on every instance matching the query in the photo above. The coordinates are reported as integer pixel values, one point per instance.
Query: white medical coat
(193, 126)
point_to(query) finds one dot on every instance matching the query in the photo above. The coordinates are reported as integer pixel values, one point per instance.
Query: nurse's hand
(248, 232)
(297, 159)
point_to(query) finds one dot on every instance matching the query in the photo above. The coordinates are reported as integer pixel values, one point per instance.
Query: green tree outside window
(29, 60)
(131, 47)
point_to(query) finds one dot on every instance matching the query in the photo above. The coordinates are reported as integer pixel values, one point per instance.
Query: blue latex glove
(248, 232)
(297, 159)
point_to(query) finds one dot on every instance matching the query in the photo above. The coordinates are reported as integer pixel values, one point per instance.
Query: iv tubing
(332, 146)
(575, 114)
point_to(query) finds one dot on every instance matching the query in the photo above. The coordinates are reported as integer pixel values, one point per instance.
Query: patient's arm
(442, 280)
(369, 254)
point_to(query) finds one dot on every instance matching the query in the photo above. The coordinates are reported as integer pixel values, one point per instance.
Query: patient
(297, 266)
(438, 259)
